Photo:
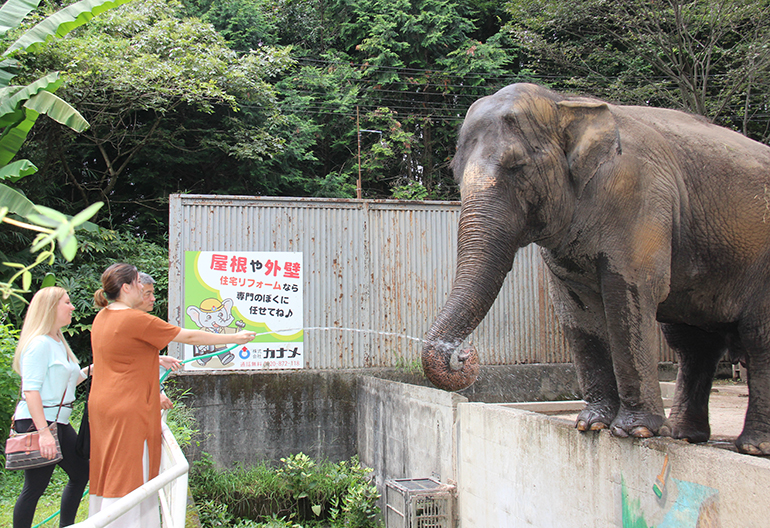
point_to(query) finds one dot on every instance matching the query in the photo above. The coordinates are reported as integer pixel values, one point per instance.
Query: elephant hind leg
(755, 338)
(699, 353)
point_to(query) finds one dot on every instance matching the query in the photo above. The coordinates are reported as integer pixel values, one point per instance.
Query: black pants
(36, 480)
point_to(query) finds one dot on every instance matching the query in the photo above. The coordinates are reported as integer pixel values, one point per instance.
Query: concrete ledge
(567, 406)
(520, 468)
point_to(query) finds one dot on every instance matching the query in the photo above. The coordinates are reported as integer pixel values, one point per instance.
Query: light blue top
(47, 368)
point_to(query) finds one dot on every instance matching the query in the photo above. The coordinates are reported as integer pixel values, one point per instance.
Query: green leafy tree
(81, 277)
(426, 61)
(420, 62)
(245, 25)
(250, 24)
(20, 107)
(319, 100)
(710, 58)
(162, 94)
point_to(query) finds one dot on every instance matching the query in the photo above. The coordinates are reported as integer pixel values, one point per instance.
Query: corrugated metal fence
(376, 275)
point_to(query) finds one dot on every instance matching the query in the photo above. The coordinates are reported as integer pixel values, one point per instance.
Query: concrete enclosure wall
(511, 467)
(251, 417)
(248, 417)
(518, 468)
(515, 468)
(406, 430)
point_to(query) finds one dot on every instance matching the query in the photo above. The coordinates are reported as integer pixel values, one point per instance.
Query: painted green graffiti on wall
(693, 505)
(633, 517)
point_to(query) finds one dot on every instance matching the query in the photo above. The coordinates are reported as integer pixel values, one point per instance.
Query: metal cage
(418, 503)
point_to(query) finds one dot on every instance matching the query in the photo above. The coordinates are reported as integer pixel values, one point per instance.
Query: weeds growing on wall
(298, 493)
(181, 419)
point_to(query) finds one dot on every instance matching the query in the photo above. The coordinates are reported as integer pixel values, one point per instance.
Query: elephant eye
(513, 156)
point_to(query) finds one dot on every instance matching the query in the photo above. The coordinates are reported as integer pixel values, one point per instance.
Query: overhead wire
(449, 102)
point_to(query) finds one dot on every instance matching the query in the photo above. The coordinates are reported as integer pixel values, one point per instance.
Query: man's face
(148, 298)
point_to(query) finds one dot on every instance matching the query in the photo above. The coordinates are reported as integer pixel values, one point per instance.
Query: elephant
(644, 217)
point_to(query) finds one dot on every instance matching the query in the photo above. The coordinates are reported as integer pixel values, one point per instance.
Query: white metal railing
(170, 484)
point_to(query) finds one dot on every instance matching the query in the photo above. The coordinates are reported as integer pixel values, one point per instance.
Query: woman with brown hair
(124, 407)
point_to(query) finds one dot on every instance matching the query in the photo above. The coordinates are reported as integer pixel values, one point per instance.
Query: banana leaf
(45, 102)
(62, 22)
(16, 202)
(12, 140)
(13, 12)
(9, 104)
(9, 68)
(17, 170)
(20, 110)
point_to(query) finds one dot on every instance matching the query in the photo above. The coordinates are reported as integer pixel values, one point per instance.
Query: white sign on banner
(228, 291)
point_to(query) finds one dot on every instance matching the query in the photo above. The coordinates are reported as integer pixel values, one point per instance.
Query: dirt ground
(727, 409)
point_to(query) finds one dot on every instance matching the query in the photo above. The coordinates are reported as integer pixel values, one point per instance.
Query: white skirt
(146, 514)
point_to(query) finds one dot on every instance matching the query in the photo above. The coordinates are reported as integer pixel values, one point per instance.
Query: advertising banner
(228, 291)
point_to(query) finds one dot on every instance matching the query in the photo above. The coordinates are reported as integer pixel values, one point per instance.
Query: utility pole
(358, 134)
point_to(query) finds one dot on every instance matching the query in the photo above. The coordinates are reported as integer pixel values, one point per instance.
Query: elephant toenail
(641, 432)
(620, 433)
(749, 449)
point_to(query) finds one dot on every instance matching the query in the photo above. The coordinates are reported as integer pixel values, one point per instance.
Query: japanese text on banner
(228, 291)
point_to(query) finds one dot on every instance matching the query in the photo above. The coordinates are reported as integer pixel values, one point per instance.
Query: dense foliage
(82, 277)
(163, 96)
(22, 102)
(709, 58)
(299, 492)
(9, 380)
(306, 97)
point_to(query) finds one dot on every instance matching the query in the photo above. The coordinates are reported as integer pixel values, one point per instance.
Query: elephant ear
(590, 134)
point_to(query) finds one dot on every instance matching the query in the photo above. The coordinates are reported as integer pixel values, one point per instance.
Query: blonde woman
(123, 406)
(49, 370)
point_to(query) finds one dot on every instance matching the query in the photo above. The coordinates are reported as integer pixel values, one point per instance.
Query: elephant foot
(594, 417)
(639, 424)
(755, 443)
(693, 430)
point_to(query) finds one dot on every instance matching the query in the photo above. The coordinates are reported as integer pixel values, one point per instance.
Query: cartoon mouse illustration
(214, 316)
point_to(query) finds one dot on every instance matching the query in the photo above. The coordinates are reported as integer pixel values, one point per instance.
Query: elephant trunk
(487, 239)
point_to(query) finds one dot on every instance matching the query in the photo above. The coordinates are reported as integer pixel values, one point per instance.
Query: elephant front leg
(596, 378)
(581, 314)
(630, 314)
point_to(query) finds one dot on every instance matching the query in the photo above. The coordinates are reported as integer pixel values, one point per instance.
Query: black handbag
(83, 442)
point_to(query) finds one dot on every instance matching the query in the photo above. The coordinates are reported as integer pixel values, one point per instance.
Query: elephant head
(524, 156)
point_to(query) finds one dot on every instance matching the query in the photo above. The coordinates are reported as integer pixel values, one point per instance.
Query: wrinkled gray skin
(645, 216)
